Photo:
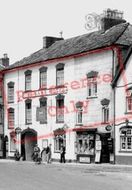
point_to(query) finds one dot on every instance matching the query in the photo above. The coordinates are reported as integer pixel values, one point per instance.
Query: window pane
(43, 79)
(11, 118)
(10, 94)
(92, 87)
(28, 82)
(60, 77)
(28, 113)
(129, 103)
(58, 141)
(60, 110)
(43, 105)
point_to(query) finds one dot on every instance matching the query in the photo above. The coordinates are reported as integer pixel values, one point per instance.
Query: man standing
(48, 152)
(62, 154)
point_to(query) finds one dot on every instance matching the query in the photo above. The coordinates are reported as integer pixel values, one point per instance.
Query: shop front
(91, 146)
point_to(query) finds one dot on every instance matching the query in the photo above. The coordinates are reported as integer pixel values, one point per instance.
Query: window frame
(43, 100)
(58, 141)
(105, 114)
(42, 70)
(10, 87)
(92, 87)
(61, 109)
(27, 74)
(127, 104)
(28, 102)
(11, 111)
(125, 136)
(59, 68)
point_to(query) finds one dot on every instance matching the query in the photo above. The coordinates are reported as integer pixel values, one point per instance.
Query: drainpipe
(114, 114)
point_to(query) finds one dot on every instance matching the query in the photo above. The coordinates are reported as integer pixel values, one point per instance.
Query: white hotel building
(62, 94)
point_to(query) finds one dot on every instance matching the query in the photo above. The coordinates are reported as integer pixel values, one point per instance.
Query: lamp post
(18, 134)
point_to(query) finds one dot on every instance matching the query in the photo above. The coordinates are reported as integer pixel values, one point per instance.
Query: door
(29, 140)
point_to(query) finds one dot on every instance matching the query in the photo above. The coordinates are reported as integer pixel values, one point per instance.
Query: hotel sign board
(41, 92)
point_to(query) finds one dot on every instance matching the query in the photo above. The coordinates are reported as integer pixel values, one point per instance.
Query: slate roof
(120, 34)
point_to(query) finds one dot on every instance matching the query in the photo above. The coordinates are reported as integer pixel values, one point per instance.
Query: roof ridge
(127, 24)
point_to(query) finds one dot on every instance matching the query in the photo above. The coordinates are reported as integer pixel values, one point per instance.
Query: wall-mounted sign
(84, 159)
(108, 128)
(98, 145)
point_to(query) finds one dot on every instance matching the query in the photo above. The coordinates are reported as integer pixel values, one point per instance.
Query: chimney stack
(5, 60)
(49, 40)
(111, 18)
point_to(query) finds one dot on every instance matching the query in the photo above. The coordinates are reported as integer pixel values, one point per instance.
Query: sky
(25, 22)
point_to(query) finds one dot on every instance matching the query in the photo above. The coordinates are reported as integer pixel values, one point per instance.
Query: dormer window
(92, 83)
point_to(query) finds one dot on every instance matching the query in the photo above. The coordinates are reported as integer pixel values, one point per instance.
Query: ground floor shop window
(126, 139)
(85, 143)
(59, 140)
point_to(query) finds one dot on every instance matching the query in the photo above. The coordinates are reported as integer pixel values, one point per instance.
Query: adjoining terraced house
(62, 94)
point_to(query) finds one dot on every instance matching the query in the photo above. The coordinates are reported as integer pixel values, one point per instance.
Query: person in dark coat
(62, 154)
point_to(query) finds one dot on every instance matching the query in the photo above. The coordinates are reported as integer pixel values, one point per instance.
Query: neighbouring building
(122, 84)
(62, 94)
(4, 62)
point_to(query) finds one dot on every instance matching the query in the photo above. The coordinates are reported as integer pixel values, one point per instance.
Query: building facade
(62, 94)
(4, 62)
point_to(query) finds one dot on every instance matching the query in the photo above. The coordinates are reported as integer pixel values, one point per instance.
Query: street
(29, 176)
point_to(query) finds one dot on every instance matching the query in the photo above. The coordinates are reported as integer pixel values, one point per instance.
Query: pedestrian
(36, 152)
(48, 153)
(17, 155)
(62, 154)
